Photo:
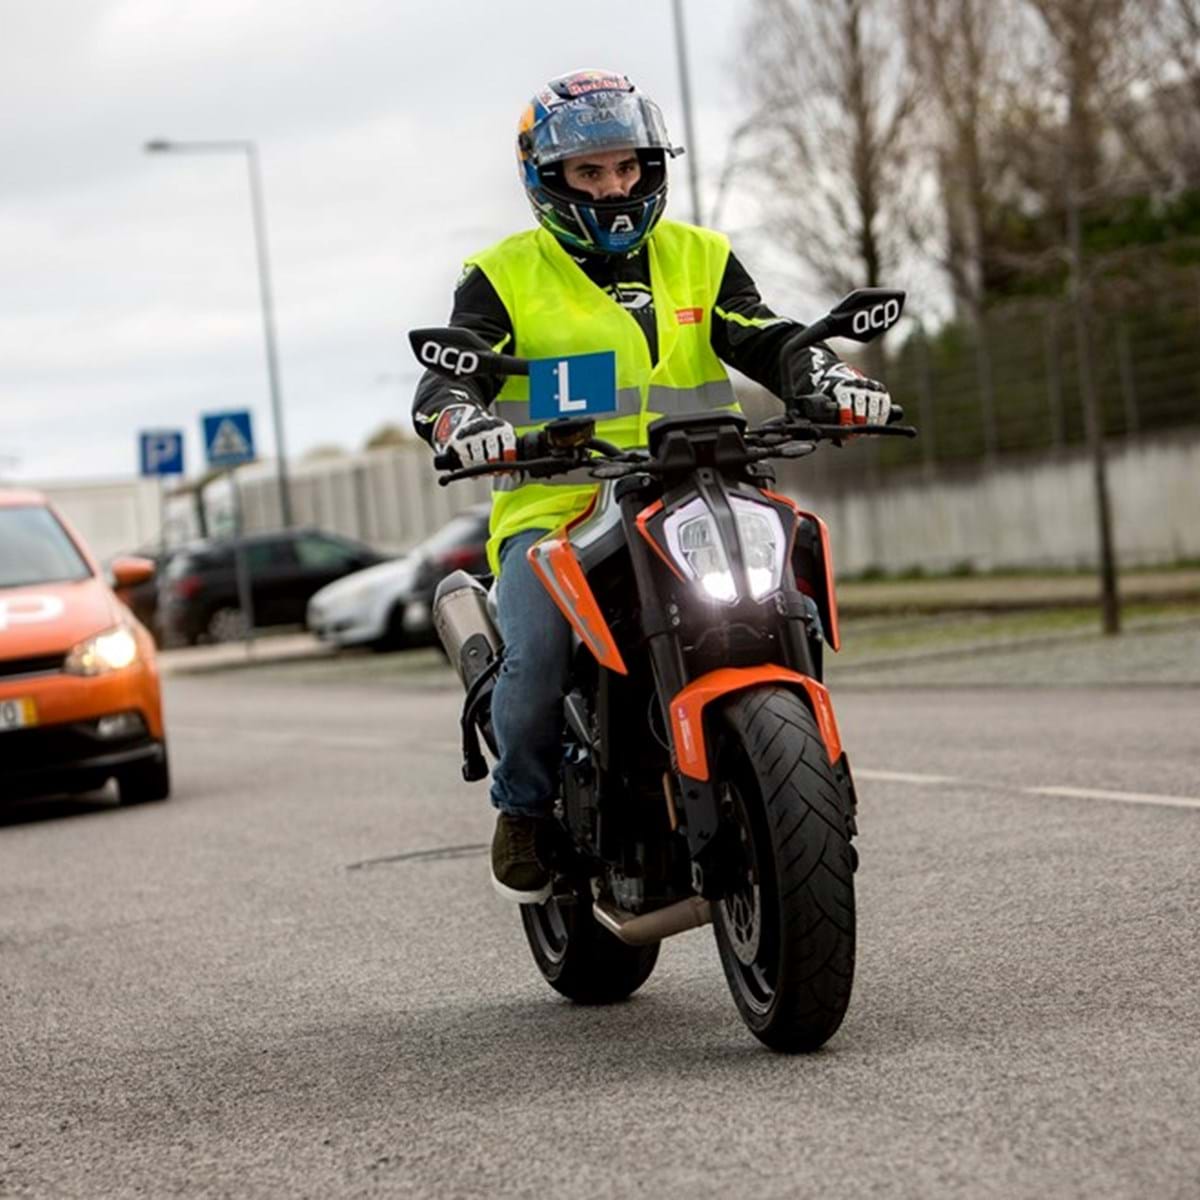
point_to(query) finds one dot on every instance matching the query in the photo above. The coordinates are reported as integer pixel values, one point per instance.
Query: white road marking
(902, 776)
(1068, 793)
(1120, 797)
(364, 742)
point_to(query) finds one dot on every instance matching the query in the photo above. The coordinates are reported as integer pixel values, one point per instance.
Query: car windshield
(35, 548)
(463, 530)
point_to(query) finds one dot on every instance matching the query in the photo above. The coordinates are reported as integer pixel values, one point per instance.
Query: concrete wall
(389, 498)
(1034, 512)
(113, 516)
(1037, 512)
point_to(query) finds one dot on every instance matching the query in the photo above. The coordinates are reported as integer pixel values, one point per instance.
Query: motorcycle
(703, 776)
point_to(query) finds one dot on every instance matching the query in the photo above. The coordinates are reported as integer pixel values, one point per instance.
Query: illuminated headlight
(695, 545)
(108, 651)
(763, 544)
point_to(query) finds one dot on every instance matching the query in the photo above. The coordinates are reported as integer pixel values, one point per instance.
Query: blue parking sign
(161, 451)
(581, 385)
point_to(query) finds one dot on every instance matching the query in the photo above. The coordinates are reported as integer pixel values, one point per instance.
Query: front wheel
(578, 957)
(785, 928)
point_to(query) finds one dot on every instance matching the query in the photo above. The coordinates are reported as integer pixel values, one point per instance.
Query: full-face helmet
(587, 112)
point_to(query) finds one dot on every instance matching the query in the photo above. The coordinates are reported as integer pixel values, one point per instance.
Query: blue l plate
(581, 385)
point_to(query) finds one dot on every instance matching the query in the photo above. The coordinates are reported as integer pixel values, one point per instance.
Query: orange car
(79, 694)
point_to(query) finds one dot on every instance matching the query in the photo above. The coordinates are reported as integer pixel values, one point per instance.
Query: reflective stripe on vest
(556, 310)
(666, 402)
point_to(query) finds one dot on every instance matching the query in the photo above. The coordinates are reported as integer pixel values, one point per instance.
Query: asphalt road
(292, 979)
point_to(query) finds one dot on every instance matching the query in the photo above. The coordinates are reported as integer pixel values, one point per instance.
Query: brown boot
(517, 872)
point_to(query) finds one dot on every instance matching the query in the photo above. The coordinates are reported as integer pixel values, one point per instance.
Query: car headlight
(111, 650)
(695, 544)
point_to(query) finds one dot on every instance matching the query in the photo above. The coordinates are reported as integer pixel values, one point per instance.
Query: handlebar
(562, 446)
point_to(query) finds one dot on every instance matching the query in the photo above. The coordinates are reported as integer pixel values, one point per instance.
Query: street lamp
(162, 146)
(689, 129)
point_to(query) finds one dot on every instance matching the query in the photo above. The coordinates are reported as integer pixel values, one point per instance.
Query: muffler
(653, 926)
(464, 626)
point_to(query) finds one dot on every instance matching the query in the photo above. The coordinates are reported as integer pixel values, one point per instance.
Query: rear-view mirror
(130, 570)
(457, 352)
(865, 314)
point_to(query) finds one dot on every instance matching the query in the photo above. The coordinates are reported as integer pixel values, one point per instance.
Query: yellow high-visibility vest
(556, 310)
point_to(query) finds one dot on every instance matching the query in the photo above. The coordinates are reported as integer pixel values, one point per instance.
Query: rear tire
(579, 958)
(145, 782)
(787, 937)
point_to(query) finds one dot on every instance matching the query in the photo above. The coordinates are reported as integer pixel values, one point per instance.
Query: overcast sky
(129, 294)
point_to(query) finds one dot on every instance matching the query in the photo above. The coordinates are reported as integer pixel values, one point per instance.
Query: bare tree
(1087, 40)
(831, 137)
(968, 55)
(1171, 54)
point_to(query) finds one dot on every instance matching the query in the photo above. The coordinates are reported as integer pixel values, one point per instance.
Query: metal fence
(1012, 386)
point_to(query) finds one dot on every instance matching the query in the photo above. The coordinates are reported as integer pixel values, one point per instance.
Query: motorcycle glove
(473, 435)
(860, 401)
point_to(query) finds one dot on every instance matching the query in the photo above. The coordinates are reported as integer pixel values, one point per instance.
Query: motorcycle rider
(602, 271)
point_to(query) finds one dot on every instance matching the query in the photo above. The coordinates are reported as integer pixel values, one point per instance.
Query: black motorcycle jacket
(746, 334)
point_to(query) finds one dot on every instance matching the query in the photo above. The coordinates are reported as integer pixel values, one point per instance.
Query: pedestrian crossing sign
(228, 438)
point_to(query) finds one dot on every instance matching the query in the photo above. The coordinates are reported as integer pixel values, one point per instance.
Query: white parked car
(390, 605)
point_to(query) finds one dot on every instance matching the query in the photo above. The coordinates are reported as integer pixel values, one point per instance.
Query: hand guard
(474, 435)
(860, 401)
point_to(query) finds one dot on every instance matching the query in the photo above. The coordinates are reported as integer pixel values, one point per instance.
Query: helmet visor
(601, 121)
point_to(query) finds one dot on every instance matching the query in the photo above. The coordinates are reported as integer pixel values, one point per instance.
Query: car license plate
(17, 714)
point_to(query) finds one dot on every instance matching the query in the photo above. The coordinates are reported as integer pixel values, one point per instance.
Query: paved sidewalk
(232, 656)
(889, 598)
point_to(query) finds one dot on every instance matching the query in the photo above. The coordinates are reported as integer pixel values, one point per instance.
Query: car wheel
(146, 782)
(394, 636)
(227, 625)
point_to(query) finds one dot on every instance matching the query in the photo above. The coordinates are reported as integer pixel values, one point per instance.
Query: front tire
(786, 935)
(578, 957)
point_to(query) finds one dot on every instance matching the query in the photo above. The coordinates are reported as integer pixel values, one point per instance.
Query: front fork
(700, 799)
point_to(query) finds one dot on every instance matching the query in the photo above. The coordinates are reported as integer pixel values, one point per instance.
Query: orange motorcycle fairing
(687, 711)
(553, 559)
(830, 596)
(652, 510)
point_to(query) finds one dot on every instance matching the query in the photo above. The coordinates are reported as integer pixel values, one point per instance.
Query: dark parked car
(198, 592)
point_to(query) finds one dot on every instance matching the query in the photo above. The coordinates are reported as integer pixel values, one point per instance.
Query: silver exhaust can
(466, 630)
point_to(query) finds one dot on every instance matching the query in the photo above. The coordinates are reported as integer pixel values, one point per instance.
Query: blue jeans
(528, 698)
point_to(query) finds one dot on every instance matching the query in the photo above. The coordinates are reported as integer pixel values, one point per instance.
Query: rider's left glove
(860, 401)
(474, 436)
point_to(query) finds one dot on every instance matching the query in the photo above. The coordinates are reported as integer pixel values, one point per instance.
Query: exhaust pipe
(464, 625)
(653, 926)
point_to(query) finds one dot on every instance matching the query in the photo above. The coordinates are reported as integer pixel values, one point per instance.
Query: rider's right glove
(473, 435)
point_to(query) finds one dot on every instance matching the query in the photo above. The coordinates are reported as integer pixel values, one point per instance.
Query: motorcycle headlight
(763, 543)
(108, 651)
(695, 544)
(702, 553)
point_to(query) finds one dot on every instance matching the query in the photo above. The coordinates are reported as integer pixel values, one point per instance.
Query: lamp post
(162, 146)
(689, 129)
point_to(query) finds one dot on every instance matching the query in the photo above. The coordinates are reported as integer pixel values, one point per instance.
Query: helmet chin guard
(590, 112)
